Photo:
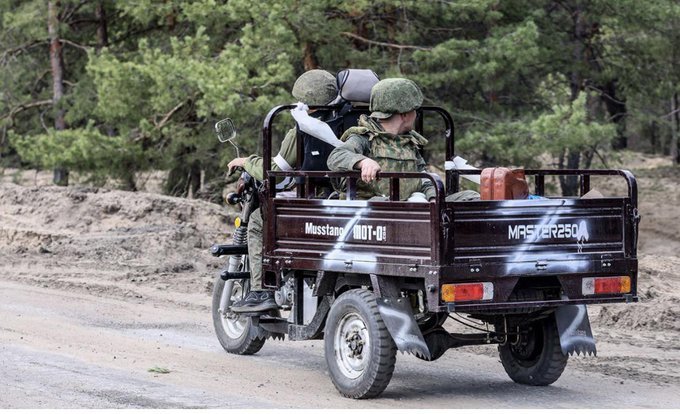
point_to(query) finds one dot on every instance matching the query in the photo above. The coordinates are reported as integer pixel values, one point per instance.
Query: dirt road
(65, 350)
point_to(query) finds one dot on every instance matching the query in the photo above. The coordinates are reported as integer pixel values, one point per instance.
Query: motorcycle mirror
(225, 129)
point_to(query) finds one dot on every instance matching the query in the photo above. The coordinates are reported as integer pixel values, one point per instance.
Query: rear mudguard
(573, 326)
(400, 323)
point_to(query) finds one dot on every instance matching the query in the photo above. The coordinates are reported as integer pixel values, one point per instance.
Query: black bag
(316, 151)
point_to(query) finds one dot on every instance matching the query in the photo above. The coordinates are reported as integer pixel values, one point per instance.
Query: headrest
(354, 85)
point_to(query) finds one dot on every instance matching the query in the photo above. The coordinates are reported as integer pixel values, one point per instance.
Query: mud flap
(399, 320)
(573, 326)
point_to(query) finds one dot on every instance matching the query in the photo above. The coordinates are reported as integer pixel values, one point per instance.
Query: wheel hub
(525, 347)
(352, 344)
(355, 343)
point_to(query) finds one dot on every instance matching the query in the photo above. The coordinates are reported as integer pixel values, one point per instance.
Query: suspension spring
(240, 237)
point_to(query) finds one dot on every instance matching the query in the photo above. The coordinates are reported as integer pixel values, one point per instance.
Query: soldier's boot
(255, 301)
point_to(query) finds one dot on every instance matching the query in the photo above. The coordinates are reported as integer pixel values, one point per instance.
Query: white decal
(323, 230)
(582, 235)
(365, 232)
(368, 232)
(549, 231)
(524, 261)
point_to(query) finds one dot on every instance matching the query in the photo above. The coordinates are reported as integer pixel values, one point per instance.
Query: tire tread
(550, 366)
(380, 374)
(255, 338)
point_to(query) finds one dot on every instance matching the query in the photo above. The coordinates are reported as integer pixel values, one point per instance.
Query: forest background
(109, 89)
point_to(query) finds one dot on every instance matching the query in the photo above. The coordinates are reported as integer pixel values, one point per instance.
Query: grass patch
(159, 370)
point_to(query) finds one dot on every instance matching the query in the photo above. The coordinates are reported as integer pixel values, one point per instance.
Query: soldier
(386, 141)
(314, 87)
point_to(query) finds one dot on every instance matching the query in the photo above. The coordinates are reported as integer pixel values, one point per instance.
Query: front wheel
(534, 355)
(359, 350)
(237, 334)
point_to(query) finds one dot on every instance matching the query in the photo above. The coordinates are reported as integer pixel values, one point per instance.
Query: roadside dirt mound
(659, 293)
(110, 242)
(658, 246)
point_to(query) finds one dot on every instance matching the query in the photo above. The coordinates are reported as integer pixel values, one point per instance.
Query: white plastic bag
(459, 163)
(313, 126)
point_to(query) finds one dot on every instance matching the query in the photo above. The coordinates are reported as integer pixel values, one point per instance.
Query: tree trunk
(102, 32)
(617, 113)
(57, 65)
(654, 137)
(675, 126)
(3, 140)
(310, 61)
(569, 183)
(576, 81)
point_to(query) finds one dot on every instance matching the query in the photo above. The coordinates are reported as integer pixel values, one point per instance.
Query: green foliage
(523, 79)
(568, 127)
(83, 150)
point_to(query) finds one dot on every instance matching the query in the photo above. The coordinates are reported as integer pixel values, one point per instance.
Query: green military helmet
(394, 96)
(315, 87)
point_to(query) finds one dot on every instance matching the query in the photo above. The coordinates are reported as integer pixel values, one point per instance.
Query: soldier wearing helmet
(314, 87)
(386, 141)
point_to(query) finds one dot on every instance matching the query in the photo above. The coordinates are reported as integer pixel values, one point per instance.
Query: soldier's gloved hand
(369, 169)
(235, 164)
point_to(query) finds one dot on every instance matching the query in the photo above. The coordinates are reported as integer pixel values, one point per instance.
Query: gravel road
(69, 350)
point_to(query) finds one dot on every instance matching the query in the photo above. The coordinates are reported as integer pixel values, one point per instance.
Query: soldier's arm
(346, 156)
(426, 187)
(285, 160)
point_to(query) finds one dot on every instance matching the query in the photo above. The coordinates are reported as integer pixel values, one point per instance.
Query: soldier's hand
(236, 163)
(369, 169)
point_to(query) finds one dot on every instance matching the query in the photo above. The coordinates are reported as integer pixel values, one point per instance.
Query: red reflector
(609, 285)
(606, 286)
(471, 291)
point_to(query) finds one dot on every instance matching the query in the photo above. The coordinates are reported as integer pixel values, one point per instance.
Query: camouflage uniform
(314, 87)
(284, 160)
(394, 153)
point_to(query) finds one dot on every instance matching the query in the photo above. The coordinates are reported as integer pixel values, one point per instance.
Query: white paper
(459, 163)
(313, 126)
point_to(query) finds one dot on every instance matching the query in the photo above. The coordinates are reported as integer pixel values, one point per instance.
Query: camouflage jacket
(394, 153)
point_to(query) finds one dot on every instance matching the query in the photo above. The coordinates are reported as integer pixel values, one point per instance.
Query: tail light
(605, 285)
(462, 292)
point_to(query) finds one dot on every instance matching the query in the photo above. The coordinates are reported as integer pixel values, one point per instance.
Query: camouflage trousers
(465, 195)
(255, 237)
(255, 249)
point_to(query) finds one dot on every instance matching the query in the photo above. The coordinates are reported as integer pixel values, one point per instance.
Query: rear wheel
(534, 356)
(359, 350)
(237, 333)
